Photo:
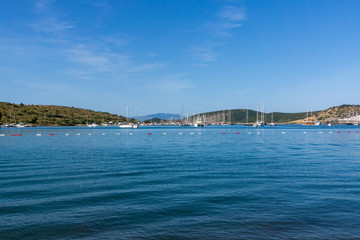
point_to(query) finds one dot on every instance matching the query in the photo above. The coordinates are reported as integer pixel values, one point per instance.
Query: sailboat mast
(247, 115)
(136, 114)
(257, 113)
(307, 114)
(127, 114)
(229, 116)
(182, 112)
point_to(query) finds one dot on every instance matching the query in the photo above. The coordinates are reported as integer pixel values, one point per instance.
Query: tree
(33, 120)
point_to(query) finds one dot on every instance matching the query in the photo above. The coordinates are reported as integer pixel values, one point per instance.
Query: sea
(216, 182)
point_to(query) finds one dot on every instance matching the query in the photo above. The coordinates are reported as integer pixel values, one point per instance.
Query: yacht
(92, 125)
(258, 124)
(199, 124)
(317, 123)
(128, 125)
(21, 125)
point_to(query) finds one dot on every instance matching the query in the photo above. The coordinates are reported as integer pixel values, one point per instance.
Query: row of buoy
(165, 133)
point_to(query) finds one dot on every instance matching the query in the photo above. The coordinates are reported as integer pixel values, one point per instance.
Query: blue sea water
(283, 182)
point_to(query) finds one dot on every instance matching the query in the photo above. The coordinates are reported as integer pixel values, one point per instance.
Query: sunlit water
(284, 182)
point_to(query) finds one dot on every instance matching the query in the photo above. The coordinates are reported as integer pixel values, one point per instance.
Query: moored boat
(199, 124)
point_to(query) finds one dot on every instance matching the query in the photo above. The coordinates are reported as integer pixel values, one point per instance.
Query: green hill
(239, 116)
(49, 115)
(332, 114)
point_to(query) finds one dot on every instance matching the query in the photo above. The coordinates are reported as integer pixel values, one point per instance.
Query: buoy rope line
(167, 133)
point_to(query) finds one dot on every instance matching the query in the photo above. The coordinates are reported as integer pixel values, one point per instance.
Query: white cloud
(233, 14)
(173, 83)
(42, 5)
(228, 18)
(88, 58)
(51, 24)
(146, 67)
(223, 28)
(204, 52)
(118, 42)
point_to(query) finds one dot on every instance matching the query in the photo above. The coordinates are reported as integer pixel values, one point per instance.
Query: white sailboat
(127, 124)
(259, 123)
(272, 120)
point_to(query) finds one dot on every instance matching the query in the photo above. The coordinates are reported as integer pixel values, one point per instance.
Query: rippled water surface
(191, 183)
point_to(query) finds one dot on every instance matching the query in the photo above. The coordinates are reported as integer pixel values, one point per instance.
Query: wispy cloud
(233, 14)
(152, 54)
(173, 83)
(203, 52)
(42, 5)
(86, 57)
(118, 42)
(42, 87)
(97, 59)
(51, 24)
(227, 19)
(147, 67)
(222, 28)
(49, 20)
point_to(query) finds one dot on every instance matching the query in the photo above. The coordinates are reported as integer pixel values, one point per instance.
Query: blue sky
(157, 55)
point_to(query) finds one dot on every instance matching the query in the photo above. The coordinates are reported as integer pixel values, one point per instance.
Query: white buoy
(283, 132)
(199, 132)
(164, 133)
(78, 134)
(117, 133)
(191, 133)
(66, 134)
(180, 133)
(89, 134)
(249, 132)
(38, 134)
(130, 133)
(103, 134)
(2, 135)
(330, 132)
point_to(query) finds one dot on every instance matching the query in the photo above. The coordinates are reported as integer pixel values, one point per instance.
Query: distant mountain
(163, 116)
